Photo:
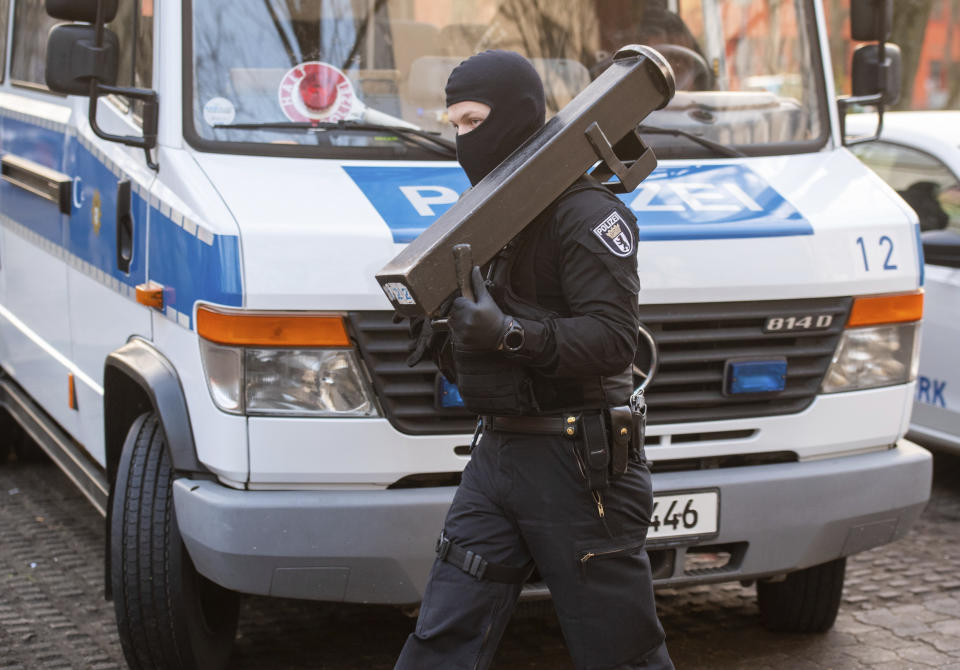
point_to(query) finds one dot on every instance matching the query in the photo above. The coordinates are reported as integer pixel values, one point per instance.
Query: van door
(34, 202)
(108, 224)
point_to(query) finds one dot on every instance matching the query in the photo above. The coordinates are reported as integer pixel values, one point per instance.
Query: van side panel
(103, 311)
(35, 324)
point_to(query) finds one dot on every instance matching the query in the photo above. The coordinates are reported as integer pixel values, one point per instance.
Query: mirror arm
(99, 24)
(844, 103)
(150, 106)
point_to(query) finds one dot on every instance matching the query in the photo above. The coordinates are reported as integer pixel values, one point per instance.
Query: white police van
(190, 324)
(918, 154)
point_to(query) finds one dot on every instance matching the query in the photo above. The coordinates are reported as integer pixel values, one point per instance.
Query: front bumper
(377, 546)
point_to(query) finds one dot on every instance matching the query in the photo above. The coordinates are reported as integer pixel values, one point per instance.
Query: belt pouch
(622, 432)
(491, 384)
(595, 450)
(639, 433)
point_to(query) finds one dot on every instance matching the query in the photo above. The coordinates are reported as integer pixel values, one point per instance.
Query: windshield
(748, 71)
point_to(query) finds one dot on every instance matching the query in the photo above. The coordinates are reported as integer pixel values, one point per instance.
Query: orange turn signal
(880, 309)
(150, 294)
(272, 330)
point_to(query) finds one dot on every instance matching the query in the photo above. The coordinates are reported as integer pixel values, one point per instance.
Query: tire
(168, 615)
(807, 601)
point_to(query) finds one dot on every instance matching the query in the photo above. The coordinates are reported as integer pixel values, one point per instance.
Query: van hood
(315, 232)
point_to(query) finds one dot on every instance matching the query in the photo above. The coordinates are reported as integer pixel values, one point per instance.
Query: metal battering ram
(489, 215)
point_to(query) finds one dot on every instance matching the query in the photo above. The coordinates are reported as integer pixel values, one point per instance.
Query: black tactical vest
(493, 383)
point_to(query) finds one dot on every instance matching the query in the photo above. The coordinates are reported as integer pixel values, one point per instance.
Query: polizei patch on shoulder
(615, 234)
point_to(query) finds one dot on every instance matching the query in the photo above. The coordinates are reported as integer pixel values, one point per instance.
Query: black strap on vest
(475, 565)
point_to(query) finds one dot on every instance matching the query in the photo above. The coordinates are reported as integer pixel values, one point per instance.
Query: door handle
(124, 227)
(37, 179)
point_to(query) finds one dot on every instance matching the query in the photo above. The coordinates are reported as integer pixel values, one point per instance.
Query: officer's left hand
(479, 325)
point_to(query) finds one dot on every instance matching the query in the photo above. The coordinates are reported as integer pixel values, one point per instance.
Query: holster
(593, 450)
(628, 427)
(621, 435)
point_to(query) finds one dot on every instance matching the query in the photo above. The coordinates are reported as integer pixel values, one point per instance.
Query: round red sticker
(315, 91)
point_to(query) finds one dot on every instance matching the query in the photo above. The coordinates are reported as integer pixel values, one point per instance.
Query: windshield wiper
(434, 142)
(716, 147)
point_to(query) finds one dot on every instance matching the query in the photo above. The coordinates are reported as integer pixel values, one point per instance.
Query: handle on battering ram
(463, 262)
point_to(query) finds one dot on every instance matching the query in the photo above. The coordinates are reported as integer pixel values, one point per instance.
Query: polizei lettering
(615, 234)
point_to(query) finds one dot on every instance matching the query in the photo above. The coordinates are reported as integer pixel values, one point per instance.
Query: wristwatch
(513, 337)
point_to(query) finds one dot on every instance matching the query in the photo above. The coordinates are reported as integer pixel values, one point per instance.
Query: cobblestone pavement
(901, 603)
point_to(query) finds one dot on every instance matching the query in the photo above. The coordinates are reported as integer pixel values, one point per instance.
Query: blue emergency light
(447, 394)
(768, 376)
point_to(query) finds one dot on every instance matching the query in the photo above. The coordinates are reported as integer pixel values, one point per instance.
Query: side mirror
(870, 20)
(870, 76)
(73, 59)
(941, 247)
(83, 59)
(81, 10)
(876, 67)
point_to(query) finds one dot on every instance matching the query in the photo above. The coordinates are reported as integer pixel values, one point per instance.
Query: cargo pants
(523, 499)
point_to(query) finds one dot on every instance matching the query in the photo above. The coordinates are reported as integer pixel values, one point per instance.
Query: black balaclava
(507, 82)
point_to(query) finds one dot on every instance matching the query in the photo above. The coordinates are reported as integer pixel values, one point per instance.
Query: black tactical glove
(425, 342)
(480, 325)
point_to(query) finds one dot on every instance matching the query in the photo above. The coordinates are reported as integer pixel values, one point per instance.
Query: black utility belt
(534, 425)
(604, 439)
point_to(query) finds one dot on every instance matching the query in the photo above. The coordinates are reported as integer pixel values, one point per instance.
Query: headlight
(283, 381)
(224, 368)
(872, 357)
(313, 379)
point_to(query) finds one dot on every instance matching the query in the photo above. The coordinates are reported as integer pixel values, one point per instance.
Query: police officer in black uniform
(542, 354)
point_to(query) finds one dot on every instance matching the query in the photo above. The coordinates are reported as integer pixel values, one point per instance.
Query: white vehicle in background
(918, 155)
(191, 327)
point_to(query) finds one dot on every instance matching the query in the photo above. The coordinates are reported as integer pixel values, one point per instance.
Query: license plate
(682, 514)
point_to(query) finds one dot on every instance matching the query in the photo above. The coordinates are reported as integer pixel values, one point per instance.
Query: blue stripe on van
(92, 237)
(191, 270)
(41, 145)
(189, 267)
(674, 203)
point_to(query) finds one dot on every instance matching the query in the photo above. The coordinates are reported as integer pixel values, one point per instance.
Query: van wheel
(807, 601)
(168, 614)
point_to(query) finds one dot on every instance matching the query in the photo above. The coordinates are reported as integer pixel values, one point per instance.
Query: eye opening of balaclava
(508, 84)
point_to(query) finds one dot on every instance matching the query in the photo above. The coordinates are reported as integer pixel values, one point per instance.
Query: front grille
(694, 342)
(406, 394)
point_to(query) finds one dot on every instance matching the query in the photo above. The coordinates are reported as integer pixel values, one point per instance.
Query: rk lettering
(930, 391)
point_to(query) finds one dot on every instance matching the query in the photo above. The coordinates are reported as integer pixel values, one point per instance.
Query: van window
(133, 25)
(263, 76)
(4, 16)
(30, 27)
(923, 181)
(134, 28)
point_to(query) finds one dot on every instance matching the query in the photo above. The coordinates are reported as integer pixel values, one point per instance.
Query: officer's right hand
(477, 325)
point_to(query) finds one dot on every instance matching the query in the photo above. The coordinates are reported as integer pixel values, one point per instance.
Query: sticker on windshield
(315, 91)
(219, 111)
